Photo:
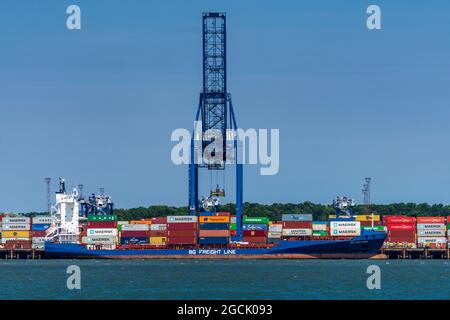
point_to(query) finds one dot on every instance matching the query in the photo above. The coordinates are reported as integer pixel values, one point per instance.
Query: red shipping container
(402, 239)
(134, 234)
(255, 233)
(409, 227)
(158, 233)
(102, 224)
(399, 220)
(38, 234)
(223, 214)
(233, 233)
(430, 219)
(255, 239)
(182, 226)
(297, 224)
(369, 223)
(402, 236)
(182, 233)
(181, 240)
(17, 244)
(158, 220)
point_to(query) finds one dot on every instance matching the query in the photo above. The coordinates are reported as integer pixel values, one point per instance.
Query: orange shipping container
(214, 219)
(214, 233)
(141, 222)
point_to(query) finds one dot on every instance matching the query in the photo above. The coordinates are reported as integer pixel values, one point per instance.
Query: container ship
(83, 230)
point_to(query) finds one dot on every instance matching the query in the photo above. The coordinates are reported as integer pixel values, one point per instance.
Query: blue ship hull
(365, 246)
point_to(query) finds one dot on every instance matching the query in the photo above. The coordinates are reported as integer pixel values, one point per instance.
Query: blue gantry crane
(216, 115)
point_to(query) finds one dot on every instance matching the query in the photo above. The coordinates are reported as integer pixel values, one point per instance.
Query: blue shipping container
(214, 240)
(133, 240)
(297, 217)
(342, 219)
(255, 226)
(214, 226)
(207, 214)
(40, 227)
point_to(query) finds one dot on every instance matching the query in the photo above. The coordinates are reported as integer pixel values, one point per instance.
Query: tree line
(275, 210)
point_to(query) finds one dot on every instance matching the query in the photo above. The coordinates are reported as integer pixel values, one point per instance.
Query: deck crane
(217, 120)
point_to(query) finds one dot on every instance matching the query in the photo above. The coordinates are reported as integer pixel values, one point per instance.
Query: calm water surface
(221, 279)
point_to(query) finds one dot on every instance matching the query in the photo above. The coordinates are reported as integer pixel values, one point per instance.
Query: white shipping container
(16, 227)
(99, 240)
(38, 240)
(319, 227)
(232, 219)
(431, 240)
(123, 222)
(427, 226)
(275, 228)
(274, 234)
(37, 246)
(158, 227)
(102, 232)
(345, 224)
(4, 240)
(9, 220)
(42, 220)
(135, 227)
(431, 233)
(345, 232)
(181, 219)
(297, 232)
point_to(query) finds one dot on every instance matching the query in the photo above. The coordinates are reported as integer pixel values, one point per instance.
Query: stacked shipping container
(214, 228)
(16, 232)
(101, 232)
(158, 231)
(431, 232)
(182, 230)
(39, 228)
(275, 232)
(320, 228)
(255, 229)
(401, 230)
(134, 233)
(296, 226)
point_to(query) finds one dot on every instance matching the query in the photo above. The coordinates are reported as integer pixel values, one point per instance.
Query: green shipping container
(375, 228)
(261, 220)
(319, 234)
(102, 218)
(232, 226)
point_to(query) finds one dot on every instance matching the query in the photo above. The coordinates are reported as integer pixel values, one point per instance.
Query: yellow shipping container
(15, 234)
(157, 240)
(141, 222)
(367, 217)
(332, 216)
(214, 219)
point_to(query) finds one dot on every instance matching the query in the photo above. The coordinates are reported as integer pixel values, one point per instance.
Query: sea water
(224, 279)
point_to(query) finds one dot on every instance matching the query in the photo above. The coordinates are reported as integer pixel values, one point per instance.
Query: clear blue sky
(97, 106)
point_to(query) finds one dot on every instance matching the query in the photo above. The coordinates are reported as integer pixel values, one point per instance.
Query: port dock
(416, 253)
(23, 254)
